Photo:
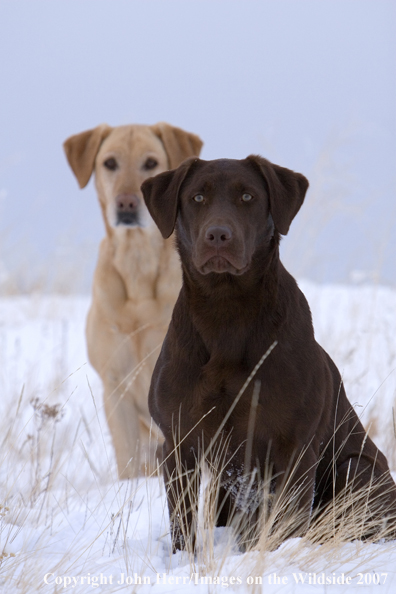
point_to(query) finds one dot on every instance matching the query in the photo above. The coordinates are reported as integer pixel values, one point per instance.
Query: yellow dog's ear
(81, 150)
(179, 144)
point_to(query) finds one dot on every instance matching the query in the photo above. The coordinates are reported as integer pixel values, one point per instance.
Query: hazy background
(309, 84)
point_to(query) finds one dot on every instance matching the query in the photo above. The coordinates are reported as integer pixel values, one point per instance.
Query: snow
(68, 525)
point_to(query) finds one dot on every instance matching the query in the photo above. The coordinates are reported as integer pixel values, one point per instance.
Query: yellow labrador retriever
(137, 278)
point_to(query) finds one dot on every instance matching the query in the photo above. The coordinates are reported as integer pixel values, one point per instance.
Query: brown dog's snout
(218, 235)
(127, 206)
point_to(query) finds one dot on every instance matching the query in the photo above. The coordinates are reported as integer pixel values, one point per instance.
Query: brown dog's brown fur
(137, 278)
(237, 301)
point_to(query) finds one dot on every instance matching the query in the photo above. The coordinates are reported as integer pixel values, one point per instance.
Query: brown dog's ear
(179, 144)
(287, 191)
(161, 195)
(81, 150)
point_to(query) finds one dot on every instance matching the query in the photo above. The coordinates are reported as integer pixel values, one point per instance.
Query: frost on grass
(64, 513)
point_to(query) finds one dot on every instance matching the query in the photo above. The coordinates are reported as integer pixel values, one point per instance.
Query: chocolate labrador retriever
(240, 365)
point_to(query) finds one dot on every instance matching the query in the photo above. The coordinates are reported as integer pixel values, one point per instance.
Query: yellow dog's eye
(150, 163)
(199, 198)
(111, 164)
(246, 197)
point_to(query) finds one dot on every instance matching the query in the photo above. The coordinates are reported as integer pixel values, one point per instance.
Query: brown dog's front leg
(295, 485)
(182, 478)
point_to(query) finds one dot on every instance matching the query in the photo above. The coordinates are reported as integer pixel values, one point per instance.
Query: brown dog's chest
(204, 391)
(256, 434)
(256, 411)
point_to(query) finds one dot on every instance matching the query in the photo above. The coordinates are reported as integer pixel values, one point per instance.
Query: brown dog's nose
(218, 235)
(127, 202)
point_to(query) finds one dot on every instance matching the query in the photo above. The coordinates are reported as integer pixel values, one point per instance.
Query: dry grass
(64, 511)
(262, 522)
(50, 472)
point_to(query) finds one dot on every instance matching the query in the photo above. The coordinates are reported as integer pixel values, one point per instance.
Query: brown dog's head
(123, 158)
(226, 210)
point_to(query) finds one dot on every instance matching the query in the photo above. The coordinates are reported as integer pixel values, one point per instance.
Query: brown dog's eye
(246, 197)
(150, 164)
(198, 198)
(111, 164)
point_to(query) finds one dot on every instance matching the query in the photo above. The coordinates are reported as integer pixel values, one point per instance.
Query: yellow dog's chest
(137, 261)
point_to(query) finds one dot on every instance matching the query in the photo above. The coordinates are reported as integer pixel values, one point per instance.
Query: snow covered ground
(68, 525)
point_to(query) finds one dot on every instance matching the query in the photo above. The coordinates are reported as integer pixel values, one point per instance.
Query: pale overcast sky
(309, 84)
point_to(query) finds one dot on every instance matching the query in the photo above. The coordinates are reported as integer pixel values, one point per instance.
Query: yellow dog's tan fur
(137, 278)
